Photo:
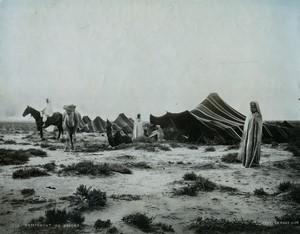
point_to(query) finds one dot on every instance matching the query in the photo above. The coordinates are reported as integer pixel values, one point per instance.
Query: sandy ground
(154, 186)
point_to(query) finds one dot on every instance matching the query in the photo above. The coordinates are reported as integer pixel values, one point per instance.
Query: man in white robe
(48, 111)
(250, 147)
(138, 130)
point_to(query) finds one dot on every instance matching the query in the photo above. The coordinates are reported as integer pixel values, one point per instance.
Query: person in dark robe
(250, 147)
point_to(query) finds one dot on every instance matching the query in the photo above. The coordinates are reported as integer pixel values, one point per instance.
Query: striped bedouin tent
(214, 118)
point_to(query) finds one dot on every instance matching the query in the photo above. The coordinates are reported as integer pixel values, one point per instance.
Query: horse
(55, 119)
(71, 120)
(118, 138)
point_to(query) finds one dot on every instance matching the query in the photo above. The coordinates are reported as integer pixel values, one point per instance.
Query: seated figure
(158, 133)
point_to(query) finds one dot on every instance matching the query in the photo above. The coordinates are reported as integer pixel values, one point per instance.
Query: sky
(144, 56)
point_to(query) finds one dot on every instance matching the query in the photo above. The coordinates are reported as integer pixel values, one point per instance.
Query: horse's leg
(59, 131)
(41, 133)
(74, 141)
(67, 141)
(71, 137)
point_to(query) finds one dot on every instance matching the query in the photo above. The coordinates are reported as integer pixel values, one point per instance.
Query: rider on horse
(47, 111)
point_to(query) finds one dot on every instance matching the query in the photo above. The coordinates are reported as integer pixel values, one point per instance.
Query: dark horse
(55, 119)
(118, 138)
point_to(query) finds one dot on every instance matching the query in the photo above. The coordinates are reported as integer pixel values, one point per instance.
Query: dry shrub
(175, 145)
(260, 192)
(88, 168)
(89, 199)
(56, 216)
(49, 166)
(192, 147)
(295, 193)
(210, 149)
(28, 173)
(139, 220)
(45, 145)
(285, 186)
(190, 176)
(37, 152)
(119, 168)
(204, 184)
(213, 225)
(199, 184)
(126, 197)
(10, 142)
(27, 192)
(289, 218)
(189, 190)
(279, 164)
(126, 157)
(230, 158)
(100, 224)
(142, 165)
(90, 148)
(152, 147)
(13, 157)
(227, 189)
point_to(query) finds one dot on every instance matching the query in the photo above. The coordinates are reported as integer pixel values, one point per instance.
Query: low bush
(189, 190)
(164, 227)
(192, 147)
(45, 145)
(142, 165)
(285, 186)
(50, 166)
(88, 168)
(227, 189)
(190, 176)
(27, 192)
(90, 199)
(139, 220)
(289, 218)
(119, 168)
(230, 158)
(213, 225)
(28, 173)
(152, 147)
(56, 216)
(210, 149)
(13, 157)
(260, 192)
(126, 197)
(204, 184)
(10, 142)
(37, 152)
(175, 145)
(199, 183)
(99, 224)
(295, 193)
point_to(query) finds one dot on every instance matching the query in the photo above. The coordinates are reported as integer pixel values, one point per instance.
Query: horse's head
(26, 111)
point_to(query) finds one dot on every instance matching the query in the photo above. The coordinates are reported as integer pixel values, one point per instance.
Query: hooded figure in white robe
(138, 129)
(48, 111)
(250, 147)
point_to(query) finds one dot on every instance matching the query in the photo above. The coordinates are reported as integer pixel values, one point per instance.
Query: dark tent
(99, 125)
(123, 123)
(214, 118)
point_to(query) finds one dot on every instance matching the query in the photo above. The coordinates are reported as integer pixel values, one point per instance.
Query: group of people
(250, 146)
(138, 130)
